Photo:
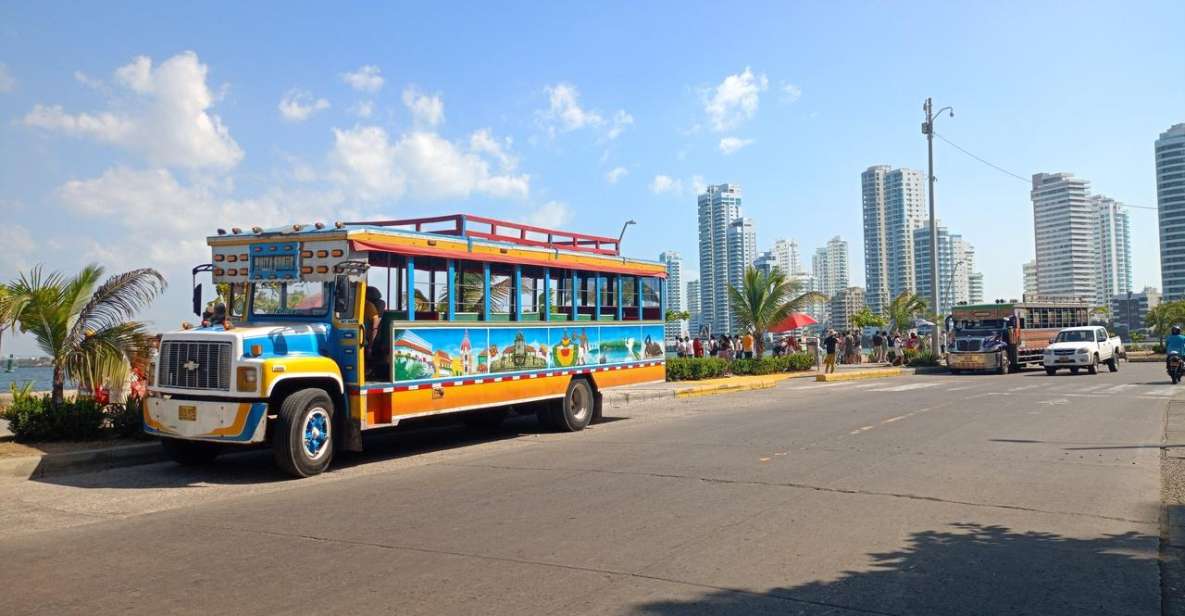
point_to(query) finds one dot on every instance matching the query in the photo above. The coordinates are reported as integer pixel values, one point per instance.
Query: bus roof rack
(465, 225)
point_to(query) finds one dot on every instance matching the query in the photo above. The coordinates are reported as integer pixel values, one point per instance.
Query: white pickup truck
(1083, 347)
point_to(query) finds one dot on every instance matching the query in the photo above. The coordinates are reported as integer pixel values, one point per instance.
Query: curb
(723, 388)
(85, 461)
(859, 375)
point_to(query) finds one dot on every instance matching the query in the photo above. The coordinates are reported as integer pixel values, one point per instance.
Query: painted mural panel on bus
(449, 352)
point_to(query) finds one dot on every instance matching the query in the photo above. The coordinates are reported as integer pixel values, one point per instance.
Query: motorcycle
(1176, 367)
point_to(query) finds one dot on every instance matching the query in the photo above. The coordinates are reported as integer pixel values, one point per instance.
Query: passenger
(373, 312)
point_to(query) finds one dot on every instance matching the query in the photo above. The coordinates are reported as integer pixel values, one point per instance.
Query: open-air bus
(1007, 336)
(473, 316)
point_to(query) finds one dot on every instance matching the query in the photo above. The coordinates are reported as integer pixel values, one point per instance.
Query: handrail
(463, 227)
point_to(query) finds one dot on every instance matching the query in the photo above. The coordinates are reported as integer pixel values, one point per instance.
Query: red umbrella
(796, 320)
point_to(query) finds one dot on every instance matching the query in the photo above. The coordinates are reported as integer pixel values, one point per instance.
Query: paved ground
(1019, 494)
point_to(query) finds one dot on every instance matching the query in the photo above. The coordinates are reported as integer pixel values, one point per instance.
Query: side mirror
(197, 300)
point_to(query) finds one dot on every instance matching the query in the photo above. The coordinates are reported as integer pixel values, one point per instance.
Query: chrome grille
(195, 365)
(1064, 351)
(968, 345)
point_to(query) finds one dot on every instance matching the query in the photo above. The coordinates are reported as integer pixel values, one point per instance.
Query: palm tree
(765, 299)
(867, 318)
(85, 327)
(904, 309)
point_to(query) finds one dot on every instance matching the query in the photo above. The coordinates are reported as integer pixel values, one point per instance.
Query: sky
(129, 133)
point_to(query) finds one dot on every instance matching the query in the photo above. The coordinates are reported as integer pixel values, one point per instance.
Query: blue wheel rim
(316, 433)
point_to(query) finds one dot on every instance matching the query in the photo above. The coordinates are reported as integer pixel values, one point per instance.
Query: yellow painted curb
(732, 384)
(857, 375)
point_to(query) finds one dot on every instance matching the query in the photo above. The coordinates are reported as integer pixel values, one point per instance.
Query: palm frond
(122, 296)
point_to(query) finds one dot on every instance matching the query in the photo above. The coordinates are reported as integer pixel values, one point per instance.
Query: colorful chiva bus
(320, 332)
(1007, 336)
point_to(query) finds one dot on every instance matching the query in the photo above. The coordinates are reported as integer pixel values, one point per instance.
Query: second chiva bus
(323, 331)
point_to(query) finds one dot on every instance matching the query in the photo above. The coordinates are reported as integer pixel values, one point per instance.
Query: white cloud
(735, 99)
(88, 81)
(665, 184)
(425, 110)
(421, 164)
(366, 79)
(483, 142)
(298, 105)
(616, 174)
(19, 248)
(362, 109)
(7, 81)
(730, 145)
(621, 119)
(167, 119)
(698, 186)
(790, 93)
(564, 113)
(552, 215)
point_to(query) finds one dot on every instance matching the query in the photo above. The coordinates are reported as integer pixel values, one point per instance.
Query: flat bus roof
(460, 236)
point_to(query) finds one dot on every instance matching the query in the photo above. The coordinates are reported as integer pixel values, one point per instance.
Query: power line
(1009, 173)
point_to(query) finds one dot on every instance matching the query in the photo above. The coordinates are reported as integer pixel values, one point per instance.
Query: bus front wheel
(302, 442)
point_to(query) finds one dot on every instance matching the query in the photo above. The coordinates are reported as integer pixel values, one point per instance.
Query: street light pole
(622, 235)
(928, 130)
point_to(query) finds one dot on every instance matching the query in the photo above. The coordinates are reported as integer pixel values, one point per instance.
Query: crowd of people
(837, 347)
(724, 346)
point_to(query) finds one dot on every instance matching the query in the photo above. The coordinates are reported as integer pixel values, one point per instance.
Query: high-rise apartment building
(844, 304)
(1030, 278)
(718, 207)
(1115, 249)
(956, 265)
(1170, 200)
(674, 292)
(693, 308)
(893, 206)
(829, 268)
(766, 262)
(1066, 230)
(975, 288)
(742, 252)
(785, 254)
(1128, 310)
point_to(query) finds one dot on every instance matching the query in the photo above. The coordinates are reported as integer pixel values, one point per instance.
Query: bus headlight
(247, 378)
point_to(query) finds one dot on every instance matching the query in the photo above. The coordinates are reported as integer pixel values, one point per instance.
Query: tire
(302, 442)
(190, 453)
(1093, 368)
(488, 419)
(1113, 364)
(1074, 370)
(576, 410)
(1051, 371)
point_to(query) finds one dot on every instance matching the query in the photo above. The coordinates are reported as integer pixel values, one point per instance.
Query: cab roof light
(297, 227)
(222, 232)
(236, 230)
(319, 225)
(339, 225)
(257, 229)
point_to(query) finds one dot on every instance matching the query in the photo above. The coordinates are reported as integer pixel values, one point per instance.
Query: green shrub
(923, 358)
(1158, 348)
(126, 420)
(800, 361)
(695, 368)
(37, 419)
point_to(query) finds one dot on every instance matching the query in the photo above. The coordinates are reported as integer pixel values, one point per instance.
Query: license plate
(1065, 361)
(187, 413)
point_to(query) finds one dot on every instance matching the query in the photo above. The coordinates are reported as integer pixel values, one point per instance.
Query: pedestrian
(747, 345)
(877, 342)
(830, 344)
(891, 347)
(849, 348)
(697, 348)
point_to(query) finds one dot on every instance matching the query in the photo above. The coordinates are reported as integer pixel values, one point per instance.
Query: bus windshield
(290, 298)
(1078, 335)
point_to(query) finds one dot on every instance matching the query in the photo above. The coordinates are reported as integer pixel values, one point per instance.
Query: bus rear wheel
(576, 411)
(302, 442)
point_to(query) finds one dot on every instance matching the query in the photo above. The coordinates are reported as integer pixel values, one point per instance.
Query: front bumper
(985, 360)
(217, 421)
(1066, 361)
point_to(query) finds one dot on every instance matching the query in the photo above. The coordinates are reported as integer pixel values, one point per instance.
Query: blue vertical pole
(662, 298)
(617, 291)
(546, 294)
(638, 288)
(518, 292)
(452, 289)
(575, 296)
(411, 288)
(597, 297)
(485, 291)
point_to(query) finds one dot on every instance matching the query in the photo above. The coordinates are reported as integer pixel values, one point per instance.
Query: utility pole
(928, 131)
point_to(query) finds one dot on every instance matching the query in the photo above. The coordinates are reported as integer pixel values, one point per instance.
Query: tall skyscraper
(1170, 200)
(1066, 230)
(956, 263)
(719, 206)
(785, 254)
(693, 307)
(674, 291)
(829, 267)
(742, 252)
(1030, 278)
(766, 262)
(893, 204)
(844, 304)
(1115, 249)
(975, 288)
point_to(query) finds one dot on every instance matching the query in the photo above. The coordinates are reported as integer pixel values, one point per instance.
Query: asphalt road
(1019, 494)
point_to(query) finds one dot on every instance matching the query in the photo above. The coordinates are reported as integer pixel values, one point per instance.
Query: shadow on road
(254, 465)
(970, 569)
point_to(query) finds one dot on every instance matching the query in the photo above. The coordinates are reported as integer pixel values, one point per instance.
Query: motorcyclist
(1174, 344)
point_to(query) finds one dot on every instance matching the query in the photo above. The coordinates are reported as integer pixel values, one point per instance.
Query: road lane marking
(1087, 388)
(897, 418)
(907, 387)
(1024, 387)
(1117, 388)
(1161, 391)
